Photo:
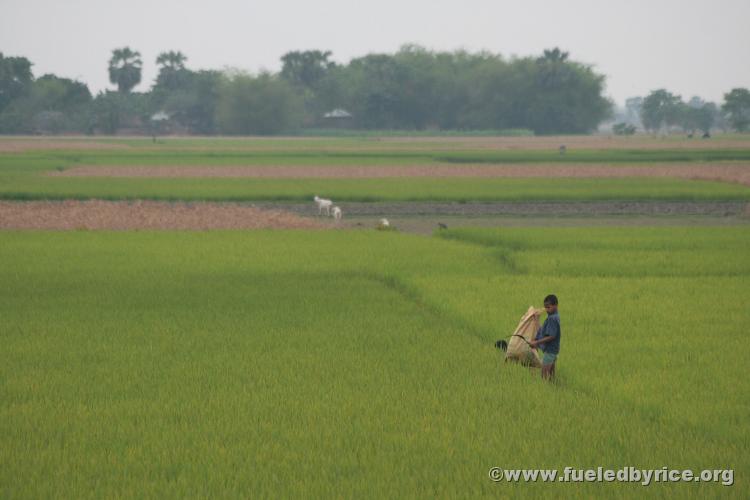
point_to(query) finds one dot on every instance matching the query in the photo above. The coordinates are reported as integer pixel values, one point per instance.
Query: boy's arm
(543, 340)
(547, 338)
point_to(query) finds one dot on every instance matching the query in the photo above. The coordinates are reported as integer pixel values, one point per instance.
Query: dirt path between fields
(122, 215)
(736, 173)
(491, 209)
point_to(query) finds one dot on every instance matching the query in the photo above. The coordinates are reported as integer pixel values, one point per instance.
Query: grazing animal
(384, 222)
(336, 212)
(442, 226)
(563, 149)
(323, 204)
(706, 135)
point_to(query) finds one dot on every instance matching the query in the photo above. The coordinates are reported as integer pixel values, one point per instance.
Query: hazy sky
(690, 47)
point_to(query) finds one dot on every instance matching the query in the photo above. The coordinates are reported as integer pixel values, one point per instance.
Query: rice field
(361, 363)
(352, 363)
(27, 173)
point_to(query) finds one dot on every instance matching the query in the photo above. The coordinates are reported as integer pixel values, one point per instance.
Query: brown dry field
(410, 217)
(148, 215)
(21, 144)
(736, 173)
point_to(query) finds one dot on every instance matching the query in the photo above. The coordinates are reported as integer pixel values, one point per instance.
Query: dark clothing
(550, 328)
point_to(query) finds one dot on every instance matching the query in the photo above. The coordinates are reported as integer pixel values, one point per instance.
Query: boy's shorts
(549, 358)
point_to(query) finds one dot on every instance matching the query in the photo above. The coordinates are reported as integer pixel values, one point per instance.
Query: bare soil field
(491, 209)
(737, 173)
(121, 215)
(408, 216)
(411, 143)
(20, 145)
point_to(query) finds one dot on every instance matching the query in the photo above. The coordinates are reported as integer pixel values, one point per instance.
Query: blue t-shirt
(550, 328)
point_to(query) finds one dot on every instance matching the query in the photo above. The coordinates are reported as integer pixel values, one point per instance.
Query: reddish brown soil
(19, 145)
(120, 215)
(739, 173)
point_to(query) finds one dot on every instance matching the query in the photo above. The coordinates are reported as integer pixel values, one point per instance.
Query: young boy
(548, 337)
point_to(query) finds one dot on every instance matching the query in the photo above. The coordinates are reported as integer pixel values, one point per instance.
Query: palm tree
(172, 71)
(125, 69)
(172, 60)
(554, 55)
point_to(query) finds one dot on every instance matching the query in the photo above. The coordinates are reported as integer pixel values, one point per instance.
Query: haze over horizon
(689, 47)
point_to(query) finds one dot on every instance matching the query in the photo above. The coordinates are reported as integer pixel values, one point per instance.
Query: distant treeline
(413, 89)
(662, 110)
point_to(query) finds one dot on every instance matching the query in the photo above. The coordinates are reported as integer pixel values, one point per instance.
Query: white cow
(322, 204)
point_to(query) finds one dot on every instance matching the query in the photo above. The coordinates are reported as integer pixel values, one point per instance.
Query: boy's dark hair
(551, 299)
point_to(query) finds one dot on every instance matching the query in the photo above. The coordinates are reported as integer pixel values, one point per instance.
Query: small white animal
(384, 222)
(336, 212)
(323, 204)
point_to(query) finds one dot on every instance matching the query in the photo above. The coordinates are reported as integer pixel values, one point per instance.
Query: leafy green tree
(61, 94)
(375, 91)
(737, 106)
(52, 105)
(15, 79)
(706, 116)
(109, 109)
(257, 105)
(660, 108)
(305, 68)
(564, 96)
(496, 100)
(193, 104)
(697, 114)
(309, 72)
(125, 69)
(113, 111)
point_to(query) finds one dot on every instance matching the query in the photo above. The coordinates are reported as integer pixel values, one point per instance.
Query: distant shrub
(623, 128)
(257, 105)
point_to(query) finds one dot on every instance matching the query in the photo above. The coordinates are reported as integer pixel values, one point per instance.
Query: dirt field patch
(20, 145)
(12, 144)
(738, 173)
(121, 215)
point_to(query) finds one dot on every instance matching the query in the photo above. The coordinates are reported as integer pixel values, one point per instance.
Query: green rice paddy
(361, 363)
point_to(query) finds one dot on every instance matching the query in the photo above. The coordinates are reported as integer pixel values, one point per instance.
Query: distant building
(159, 124)
(159, 117)
(337, 118)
